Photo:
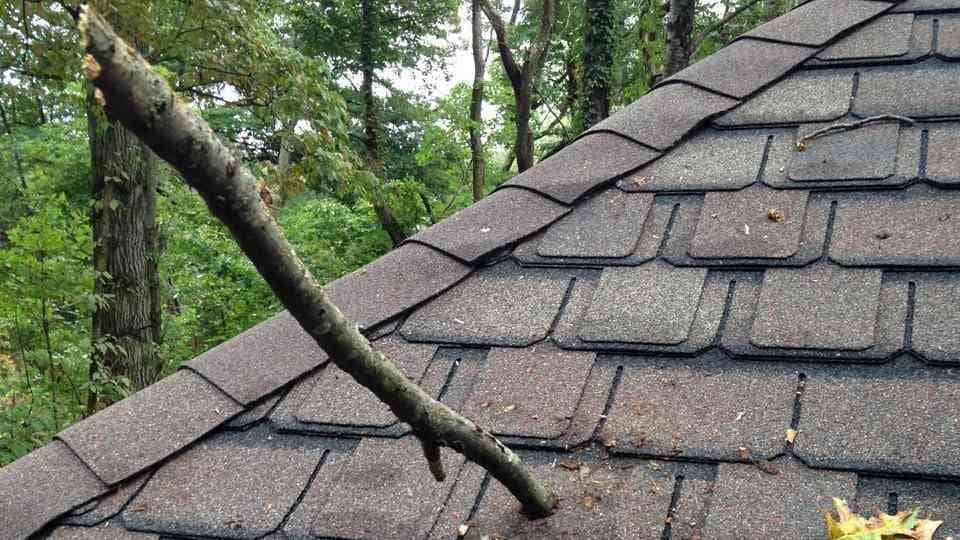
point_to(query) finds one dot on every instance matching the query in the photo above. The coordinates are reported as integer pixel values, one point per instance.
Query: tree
(678, 29)
(476, 100)
(598, 42)
(523, 78)
(132, 93)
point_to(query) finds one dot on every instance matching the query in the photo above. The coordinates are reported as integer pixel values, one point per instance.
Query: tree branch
(698, 41)
(145, 104)
(538, 49)
(509, 62)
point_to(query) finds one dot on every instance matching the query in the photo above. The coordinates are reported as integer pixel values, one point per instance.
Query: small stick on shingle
(804, 141)
(146, 105)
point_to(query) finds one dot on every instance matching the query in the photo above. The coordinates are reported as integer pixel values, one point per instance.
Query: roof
(645, 316)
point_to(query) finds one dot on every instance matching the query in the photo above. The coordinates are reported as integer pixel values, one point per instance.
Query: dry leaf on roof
(850, 526)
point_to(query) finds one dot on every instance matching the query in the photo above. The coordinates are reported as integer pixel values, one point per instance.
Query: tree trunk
(371, 124)
(771, 9)
(147, 106)
(126, 326)
(678, 28)
(476, 102)
(524, 140)
(597, 61)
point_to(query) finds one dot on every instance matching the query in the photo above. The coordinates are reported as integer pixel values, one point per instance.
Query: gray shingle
(743, 67)
(817, 22)
(783, 156)
(935, 500)
(260, 360)
(943, 154)
(749, 503)
(936, 322)
(505, 402)
(255, 413)
(598, 500)
(916, 227)
(663, 116)
(654, 303)
(866, 153)
(380, 491)
(395, 283)
(593, 401)
(502, 305)
(707, 305)
(42, 485)
(583, 165)
(888, 36)
(757, 222)
(607, 225)
(688, 408)
(738, 329)
(228, 486)
(805, 96)
(338, 399)
(709, 160)
(881, 420)
(932, 91)
(818, 307)
(105, 531)
(109, 505)
(925, 5)
(690, 514)
(152, 424)
(948, 36)
(503, 217)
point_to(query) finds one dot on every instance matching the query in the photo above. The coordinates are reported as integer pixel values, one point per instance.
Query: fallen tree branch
(143, 102)
(805, 141)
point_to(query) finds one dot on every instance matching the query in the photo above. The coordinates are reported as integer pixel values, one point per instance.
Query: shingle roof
(643, 316)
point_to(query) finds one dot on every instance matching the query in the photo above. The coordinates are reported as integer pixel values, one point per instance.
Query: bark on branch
(145, 104)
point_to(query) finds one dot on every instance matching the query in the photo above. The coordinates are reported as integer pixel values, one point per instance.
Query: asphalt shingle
(502, 305)
(260, 360)
(915, 227)
(228, 486)
(756, 64)
(109, 505)
(881, 420)
(338, 399)
(690, 514)
(757, 222)
(675, 331)
(105, 531)
(382, 490)
(888, 36)
(925, 5)
(607, 225)
(505, 403)
(129, 436)
(936, 320)
(750, 503)
(394, 283)
(593, 402)
(948, 36)
(653, 303)
(818, 307)
(255, 413)
(943, 154)
(710, 160)
(865, 153)
(41, 486)
(935, 500)
(662, 117)
(932, 92)
(503, 217)
(677, 408)
(817, 22)
(583, 165)
(805, 96)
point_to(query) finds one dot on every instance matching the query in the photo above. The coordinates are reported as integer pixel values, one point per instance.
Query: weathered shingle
(394, 283)
(710, 160)
(936, 319)
(935, 500)
(148, 426)
(608, 225)
(109, 505)
(41, 486)
(503, 217)
(756, 64)
(504, 402)
(916, 227)
(805, 96)
(932, 91)
(948, 36)
(105, 531)
(677, 408)
(662, 117)
(750, 503)
(228, 486)
(502, 305)
(925, 5)
(886, 421)
(865, 153)
(260, 360)
(889, 36)
(586, 163)
(817, 22)
(943, 154)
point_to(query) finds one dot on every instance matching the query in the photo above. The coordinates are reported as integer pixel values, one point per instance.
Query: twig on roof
(804, 141)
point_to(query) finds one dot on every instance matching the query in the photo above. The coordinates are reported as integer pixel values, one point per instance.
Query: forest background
(364, 121)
